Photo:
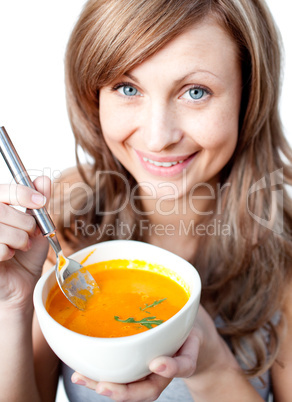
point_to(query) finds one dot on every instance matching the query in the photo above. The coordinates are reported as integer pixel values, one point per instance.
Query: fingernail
(77, 380)
(38, 199)
(159, 369)
(11, 252)
(37, 232)
(104, 392)
(29, 244)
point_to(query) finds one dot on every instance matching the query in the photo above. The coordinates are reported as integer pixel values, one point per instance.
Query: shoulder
(64, 191)
(72, 175)
(70, 180)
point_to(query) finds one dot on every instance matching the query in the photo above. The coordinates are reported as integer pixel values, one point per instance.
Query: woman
(176, 104)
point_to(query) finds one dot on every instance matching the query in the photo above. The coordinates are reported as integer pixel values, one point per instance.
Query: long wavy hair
(243, 274)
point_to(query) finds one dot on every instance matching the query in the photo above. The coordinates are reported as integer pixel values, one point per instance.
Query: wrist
(203, 384)
(221, 380)
(16, 310)
(222, 384)
(16, 350)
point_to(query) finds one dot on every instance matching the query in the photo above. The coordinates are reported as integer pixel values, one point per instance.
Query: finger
(18, 195)
(146, 390)
(183, 364)
(17, 219)
(14, 238)
(6, 253)
(43, 185)
(79, 379)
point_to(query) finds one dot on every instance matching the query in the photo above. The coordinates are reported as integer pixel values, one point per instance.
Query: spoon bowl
(76, 283)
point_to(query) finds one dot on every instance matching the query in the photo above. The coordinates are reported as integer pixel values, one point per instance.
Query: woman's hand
(164, 369)
(23, 249)
(203, 350)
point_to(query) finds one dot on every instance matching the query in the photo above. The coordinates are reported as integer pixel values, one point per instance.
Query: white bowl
(123, 359)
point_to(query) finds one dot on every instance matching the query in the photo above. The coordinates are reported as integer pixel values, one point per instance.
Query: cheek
(112, 121)
(108, 124)
(221, 133)
(216, 128)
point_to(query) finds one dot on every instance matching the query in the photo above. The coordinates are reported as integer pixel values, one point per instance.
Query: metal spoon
(75, 281)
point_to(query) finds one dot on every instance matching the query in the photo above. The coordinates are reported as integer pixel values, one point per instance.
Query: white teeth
(162, 164)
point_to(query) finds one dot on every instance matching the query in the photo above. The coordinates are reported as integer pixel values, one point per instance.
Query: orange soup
(134, 297)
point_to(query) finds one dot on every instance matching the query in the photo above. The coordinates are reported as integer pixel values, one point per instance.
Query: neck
(177, 224)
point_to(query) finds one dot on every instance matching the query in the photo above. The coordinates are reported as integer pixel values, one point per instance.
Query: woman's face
(172, 121)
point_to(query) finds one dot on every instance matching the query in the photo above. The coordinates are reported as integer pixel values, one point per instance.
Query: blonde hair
(244, 274)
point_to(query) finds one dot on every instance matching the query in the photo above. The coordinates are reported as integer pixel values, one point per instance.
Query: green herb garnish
(151, 305)
(147, 321)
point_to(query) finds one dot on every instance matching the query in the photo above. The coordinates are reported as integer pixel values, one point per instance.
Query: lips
(165, 165)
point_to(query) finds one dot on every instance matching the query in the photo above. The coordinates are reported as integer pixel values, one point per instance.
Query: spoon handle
(21, 176)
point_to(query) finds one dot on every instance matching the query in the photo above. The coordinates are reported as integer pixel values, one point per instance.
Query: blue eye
(196, 93)
(128, 90)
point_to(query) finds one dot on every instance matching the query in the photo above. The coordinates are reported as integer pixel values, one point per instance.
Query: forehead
(205, 45)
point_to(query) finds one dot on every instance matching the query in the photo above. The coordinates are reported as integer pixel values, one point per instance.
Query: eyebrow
(179, 80)
(132, 77)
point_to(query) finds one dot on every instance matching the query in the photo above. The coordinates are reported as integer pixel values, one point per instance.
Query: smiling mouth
(162, 164)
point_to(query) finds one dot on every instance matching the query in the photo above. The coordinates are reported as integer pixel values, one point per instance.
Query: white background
(33, 37)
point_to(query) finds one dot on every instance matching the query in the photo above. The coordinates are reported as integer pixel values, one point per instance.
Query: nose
(161, 127)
